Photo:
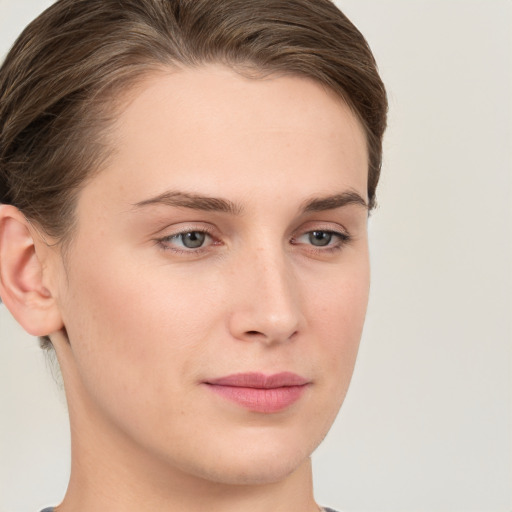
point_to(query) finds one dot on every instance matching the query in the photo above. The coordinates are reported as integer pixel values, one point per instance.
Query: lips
(258, 392)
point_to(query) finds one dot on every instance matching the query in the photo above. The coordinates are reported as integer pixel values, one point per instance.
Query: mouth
(261, 393)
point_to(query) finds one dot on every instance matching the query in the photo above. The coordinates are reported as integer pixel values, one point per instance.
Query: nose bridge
(270, 305)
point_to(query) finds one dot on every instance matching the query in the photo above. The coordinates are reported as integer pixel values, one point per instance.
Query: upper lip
(260, 380)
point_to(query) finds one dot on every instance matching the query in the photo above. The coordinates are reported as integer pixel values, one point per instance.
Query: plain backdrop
(427, 424)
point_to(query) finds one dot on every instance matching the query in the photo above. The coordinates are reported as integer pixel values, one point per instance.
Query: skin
(149, 320)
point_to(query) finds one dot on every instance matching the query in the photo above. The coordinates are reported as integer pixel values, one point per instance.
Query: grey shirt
(50, 509)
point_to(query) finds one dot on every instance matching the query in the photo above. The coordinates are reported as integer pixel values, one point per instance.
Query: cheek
(124, 322)
(337, 317)
(137, 325)
(136, 340)
(338, 307)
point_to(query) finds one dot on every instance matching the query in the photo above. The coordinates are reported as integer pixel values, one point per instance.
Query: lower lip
(259, 399)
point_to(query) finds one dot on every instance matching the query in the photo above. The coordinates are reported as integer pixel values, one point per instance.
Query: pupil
(320, 238)
(193, 240)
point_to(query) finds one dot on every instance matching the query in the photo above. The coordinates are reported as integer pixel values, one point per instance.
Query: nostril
(253, 333)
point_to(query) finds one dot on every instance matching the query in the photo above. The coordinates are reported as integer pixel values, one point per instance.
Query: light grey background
(427, 424)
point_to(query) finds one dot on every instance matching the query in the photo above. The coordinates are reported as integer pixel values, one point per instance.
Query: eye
(186, 241)
(322, 239)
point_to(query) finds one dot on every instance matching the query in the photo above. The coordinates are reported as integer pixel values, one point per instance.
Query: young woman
(185, 188)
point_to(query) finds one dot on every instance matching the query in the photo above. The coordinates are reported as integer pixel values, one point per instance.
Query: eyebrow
(332, 202)
(193, 201)
(216, 204)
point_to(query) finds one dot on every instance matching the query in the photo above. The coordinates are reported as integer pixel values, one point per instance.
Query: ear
(22, 275)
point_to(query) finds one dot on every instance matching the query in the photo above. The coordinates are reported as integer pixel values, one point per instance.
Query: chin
(256, 462)
(258, 471)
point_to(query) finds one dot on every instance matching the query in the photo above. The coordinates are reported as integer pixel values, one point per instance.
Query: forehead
(210, 129)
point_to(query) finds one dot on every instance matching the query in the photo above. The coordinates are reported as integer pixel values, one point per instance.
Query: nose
(266, 304)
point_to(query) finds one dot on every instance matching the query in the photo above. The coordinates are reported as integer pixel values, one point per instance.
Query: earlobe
(22, 286)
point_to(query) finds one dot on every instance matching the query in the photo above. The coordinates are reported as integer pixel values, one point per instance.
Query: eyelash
(343, 239)
(164, 242)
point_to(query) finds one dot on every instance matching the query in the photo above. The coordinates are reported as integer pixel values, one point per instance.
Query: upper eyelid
(189, 230)
(338, 229)
(203, 225)
(342, 236)
(176, 234)
(168, 232)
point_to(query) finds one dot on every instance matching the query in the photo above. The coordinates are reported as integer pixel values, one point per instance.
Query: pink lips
(260, 393)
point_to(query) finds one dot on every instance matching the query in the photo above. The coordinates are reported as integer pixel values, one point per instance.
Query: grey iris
(320, 238)
(193, 240)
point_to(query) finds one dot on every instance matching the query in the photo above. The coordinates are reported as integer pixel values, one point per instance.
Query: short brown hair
(59, 82)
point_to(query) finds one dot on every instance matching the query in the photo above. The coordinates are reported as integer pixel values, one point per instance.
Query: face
(215, 290)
